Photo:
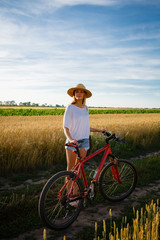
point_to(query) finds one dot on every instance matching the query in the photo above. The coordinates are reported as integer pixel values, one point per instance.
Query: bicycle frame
(66, 192)
(79, 167)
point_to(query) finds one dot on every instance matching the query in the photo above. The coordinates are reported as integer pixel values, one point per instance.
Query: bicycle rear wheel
(116, 188)
(56, 211)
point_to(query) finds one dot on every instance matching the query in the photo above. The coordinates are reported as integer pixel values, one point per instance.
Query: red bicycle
(62, 197)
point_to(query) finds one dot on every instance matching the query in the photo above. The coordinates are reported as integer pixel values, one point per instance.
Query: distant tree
(10, 103)
(57, 105)
(45, 105)
(13, 103)
(6, 102)
(25, 104)
(35, 104)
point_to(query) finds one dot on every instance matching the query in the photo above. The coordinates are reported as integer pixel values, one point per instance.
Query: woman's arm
(97, 130)
(68, 135)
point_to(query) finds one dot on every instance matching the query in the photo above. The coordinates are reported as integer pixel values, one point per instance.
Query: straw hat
(81, 87)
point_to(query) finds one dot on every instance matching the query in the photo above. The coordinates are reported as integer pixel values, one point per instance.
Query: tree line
(27, 104)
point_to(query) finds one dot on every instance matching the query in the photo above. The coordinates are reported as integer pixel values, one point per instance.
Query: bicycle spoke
(58, 212)
(51, 213)
(66, 214)
(111, 188)
(125, 173)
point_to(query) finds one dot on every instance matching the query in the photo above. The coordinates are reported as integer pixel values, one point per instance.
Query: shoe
(74, 204)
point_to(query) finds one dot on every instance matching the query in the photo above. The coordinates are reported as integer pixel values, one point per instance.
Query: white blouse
(77, 120)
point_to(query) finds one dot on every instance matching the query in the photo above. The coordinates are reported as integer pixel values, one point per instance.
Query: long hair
(74, 99)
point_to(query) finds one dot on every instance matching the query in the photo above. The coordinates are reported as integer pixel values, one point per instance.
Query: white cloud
(36, 7)
(37, 60)
(51, 5)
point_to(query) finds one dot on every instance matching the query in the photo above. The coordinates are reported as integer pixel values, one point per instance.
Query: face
(79, 94)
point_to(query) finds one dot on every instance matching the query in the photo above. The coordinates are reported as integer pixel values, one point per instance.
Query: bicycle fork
(115, 171)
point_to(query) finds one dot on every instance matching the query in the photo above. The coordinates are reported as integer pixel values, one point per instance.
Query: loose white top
(77, 120)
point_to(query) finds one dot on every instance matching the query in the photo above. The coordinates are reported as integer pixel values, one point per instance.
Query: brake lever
(118, 139)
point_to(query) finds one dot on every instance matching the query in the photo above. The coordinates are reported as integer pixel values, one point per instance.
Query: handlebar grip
(71, 144)
(107, 133)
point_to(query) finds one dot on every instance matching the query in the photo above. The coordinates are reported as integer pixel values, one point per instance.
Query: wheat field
(29, 142)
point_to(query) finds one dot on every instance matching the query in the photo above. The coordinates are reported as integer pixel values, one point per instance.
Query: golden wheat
(145, 226)
(33, 141)
(30, 142)
(127, 123)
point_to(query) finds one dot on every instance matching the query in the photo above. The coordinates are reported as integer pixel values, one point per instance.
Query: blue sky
(111, 46)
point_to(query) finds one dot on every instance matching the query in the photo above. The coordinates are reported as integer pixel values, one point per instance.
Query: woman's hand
(74, 141)
(102, 130)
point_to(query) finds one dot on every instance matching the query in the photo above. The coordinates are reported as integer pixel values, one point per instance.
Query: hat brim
(71, 91)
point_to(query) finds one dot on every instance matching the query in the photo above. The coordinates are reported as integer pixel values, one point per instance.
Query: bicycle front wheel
(55, 209)
(117, 183)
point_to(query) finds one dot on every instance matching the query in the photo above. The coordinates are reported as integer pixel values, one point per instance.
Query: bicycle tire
(55, 212)
(110, 188)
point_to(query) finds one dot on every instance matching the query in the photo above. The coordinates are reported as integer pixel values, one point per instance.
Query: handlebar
(109, 137)
(112, 136)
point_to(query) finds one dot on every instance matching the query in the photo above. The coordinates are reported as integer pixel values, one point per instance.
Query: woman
(76, 123)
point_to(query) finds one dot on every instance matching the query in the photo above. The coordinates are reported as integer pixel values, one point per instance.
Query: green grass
(19, 207)
(60, 111)
(36, 175)
(18, 211)
(148, 170)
